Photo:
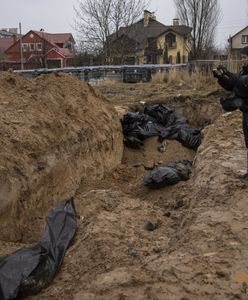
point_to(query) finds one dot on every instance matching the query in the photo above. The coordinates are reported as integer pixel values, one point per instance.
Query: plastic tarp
(162, 121)
(169, 174)
(28, 270)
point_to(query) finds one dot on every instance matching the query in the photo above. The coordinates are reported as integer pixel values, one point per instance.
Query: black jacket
(238, 83)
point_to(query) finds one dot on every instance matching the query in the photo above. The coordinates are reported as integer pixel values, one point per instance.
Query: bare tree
(203, 16)
(126, 12)
(92, 23)
(97, 19)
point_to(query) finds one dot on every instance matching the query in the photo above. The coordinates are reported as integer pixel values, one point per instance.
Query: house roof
(55, 38)
(64, 52)
(239, 32)
(5, 43)
(180, 29)
(140, 33)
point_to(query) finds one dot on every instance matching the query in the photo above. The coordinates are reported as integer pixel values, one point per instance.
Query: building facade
(150, 42)
(41, 50)
(237, 42)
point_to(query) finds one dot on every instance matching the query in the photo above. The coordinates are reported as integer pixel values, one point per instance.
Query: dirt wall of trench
(55, 132)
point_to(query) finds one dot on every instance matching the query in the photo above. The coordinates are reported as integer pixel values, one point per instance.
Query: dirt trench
(199, 248)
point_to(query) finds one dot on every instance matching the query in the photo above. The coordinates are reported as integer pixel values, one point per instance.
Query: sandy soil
(55, 130)
(199, 248)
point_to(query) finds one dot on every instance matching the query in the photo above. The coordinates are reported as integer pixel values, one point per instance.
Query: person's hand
(222, 69)
(216, 73)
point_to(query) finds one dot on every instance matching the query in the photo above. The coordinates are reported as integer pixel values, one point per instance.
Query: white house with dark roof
(237, 42)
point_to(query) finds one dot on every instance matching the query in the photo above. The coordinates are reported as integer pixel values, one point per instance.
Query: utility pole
(21, 49)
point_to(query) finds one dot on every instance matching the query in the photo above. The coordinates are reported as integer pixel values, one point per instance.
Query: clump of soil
(55, 131)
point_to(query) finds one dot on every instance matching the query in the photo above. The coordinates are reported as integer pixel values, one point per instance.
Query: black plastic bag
(164, 114)
(132, 121)
(189, 137)
(168, 174)
(162, 121)
(28, 270)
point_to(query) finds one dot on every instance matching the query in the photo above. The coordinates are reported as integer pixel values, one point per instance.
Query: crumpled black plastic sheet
(28, 270)
(162, 121)
(169, 174)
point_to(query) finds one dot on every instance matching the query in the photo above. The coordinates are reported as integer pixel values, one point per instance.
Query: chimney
(147, 16)
(175, 22)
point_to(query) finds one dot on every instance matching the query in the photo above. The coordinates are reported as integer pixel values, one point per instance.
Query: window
(170, 40)
(24, 47)
(152, 43)
(39, 46)
(68, 45)
(32, 46)
(244, 39)
(60, 45)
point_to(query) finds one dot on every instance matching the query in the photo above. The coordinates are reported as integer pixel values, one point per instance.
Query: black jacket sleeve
(241, 87)
(243, 80)
(228, 81)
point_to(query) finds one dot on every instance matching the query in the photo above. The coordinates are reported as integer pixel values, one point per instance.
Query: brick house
(42, 50)
(150, 42)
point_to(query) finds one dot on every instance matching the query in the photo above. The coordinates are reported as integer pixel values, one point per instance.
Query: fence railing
(133, 73)
(208, 65)
(103, 73)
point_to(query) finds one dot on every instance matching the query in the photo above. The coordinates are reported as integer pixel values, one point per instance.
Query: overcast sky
(57, 15)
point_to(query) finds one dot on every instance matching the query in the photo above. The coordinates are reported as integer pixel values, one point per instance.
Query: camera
(216, 73)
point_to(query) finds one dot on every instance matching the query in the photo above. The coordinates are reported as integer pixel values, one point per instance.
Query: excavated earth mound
(54, 132)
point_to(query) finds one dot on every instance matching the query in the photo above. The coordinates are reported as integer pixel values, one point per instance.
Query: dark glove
(216, 73)
(222, 69)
